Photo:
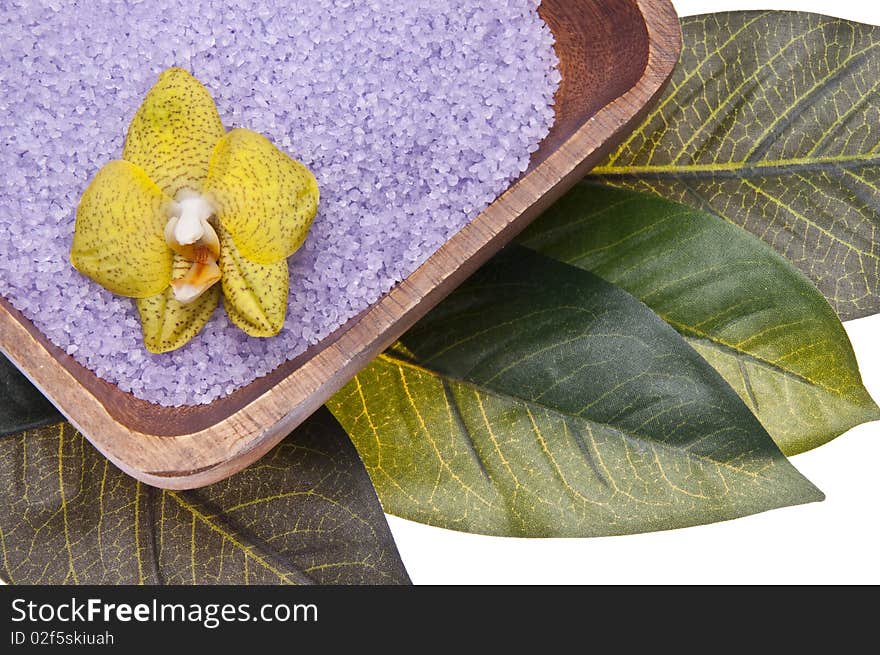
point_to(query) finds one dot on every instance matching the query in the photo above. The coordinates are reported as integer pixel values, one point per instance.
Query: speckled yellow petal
(119, 237)
(254, 295)
(265, 199)
(174, 132)
(166, 323)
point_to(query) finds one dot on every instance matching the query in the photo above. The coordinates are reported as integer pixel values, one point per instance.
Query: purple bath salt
(414, 116)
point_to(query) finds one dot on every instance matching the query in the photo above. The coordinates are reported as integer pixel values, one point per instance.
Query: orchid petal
(174, 132)
(255, 295)
(265, 199)
(168, 324)
(118, 240)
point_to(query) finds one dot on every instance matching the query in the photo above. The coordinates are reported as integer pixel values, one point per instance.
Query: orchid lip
(190, 234)
(199, 278)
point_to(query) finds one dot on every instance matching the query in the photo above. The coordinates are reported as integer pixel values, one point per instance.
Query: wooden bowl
(616, 56)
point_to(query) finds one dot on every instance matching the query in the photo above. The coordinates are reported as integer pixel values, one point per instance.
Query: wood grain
(615, 57)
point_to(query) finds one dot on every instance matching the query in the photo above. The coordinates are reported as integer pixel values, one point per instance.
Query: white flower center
(190, 234)
(191, 222)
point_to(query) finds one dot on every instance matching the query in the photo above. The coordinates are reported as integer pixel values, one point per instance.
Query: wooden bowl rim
(225, 447)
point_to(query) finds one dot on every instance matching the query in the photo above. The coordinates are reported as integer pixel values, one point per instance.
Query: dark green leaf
(22, 406)
(742, 306)
(539, 400)
(772, 121)
(305, 513)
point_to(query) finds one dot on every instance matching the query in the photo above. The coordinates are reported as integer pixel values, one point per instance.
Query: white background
(837, 541)
(834, 542)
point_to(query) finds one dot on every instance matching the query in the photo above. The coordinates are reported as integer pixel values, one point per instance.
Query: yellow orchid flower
(187, 206)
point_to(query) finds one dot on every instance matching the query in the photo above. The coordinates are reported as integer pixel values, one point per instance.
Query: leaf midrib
(401, 362)
(743, 169)
(208, 521)
(741, 356)
(692, 333)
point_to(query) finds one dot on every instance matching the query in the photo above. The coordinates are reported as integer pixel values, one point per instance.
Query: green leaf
(772, 121)
(741, 305)
(539, 400)
(305, 513)
(22, 406)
